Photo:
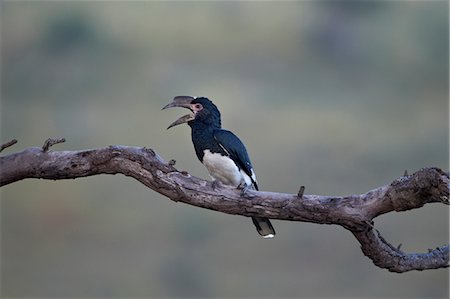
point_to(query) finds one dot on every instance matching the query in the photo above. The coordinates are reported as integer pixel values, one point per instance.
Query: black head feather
(209, 115)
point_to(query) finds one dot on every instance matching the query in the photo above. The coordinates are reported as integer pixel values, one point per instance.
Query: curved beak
(181, 120)
(184, 102)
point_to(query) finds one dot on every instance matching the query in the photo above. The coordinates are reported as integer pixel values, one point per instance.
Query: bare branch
(353, 212)
(51, 142)
(301, 191)
(384, 255)
(8, 144)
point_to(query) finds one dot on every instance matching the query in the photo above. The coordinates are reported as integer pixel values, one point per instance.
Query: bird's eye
(198, 107)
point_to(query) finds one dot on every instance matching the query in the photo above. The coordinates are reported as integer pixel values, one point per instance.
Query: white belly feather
(224, 170)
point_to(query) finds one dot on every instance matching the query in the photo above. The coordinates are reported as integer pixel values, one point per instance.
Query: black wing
(236, 150)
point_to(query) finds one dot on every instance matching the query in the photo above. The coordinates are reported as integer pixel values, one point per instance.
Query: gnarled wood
(353, 212)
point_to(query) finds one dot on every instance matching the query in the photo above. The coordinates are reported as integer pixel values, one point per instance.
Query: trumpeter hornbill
(223, 153)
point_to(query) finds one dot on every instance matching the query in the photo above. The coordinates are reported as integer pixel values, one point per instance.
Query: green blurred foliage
(338, 96)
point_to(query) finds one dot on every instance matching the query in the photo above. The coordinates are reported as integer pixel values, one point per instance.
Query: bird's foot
(243, 187)
(216, 185)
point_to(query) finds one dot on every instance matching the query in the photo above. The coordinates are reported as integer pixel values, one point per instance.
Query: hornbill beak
(184, 102)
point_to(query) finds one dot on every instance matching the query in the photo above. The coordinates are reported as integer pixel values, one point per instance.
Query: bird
(219, 150)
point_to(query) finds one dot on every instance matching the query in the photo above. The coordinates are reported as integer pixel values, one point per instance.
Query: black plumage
(222, 152)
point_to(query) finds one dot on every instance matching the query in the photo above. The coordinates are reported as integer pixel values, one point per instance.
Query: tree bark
(354, 212)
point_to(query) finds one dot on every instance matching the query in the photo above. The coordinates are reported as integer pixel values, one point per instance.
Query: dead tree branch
(353, 212)
(51, 142)
(8, 144)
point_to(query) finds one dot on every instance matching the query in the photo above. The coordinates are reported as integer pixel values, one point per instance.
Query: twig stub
(50, 142)
(8, 144)
(301, 191)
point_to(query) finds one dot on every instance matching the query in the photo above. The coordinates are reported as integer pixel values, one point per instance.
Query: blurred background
(341, 97)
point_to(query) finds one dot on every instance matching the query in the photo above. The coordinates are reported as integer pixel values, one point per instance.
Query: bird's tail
(264, 227)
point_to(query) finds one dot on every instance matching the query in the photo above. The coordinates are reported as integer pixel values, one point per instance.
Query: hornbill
(223, 153)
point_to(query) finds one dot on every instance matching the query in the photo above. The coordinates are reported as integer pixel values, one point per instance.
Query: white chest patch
(224, 170)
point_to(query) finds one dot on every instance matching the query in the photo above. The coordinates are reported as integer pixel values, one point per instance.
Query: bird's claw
(215, 185)
(243, 187)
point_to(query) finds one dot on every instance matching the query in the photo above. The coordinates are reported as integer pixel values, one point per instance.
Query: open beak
(184, 102)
